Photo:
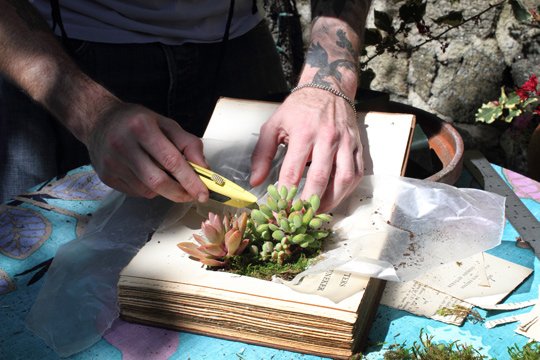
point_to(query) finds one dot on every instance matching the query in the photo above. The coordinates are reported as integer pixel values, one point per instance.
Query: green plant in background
(281, 236)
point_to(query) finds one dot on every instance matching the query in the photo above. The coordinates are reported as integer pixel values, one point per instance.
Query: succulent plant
(223, 239)
(285, 225)
(278, 230)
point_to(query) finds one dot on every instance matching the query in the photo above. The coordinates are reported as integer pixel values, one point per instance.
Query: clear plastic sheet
(78, 301)
(397, 228)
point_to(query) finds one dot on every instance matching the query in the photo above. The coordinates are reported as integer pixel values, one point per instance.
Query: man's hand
(320, 128)
(141, 153)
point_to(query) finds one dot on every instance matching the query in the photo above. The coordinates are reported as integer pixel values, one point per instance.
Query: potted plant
(519, 110)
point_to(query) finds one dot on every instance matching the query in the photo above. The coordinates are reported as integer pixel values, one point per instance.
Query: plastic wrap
(397, 228)
(78, 301)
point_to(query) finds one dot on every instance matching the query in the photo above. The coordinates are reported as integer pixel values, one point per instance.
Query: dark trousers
(180, 82)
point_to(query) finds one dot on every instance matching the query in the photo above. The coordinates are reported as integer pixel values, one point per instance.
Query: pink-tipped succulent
(222, 239)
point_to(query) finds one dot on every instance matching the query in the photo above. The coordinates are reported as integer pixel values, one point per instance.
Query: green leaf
(531, 101)
(383, 21)
(512, 114)
(488, 113)
(503, 97)
(520, 12)
(372, 37)
(412, 11)
(453, 18)
(512, 101)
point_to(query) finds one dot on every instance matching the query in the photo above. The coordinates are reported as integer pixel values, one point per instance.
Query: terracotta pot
(443, 138)
(533, 155)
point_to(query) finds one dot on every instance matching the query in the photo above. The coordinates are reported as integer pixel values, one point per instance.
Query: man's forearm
(33, 59)
(336, 40)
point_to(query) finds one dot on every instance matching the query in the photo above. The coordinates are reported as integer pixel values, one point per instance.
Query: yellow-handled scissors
(224, 190)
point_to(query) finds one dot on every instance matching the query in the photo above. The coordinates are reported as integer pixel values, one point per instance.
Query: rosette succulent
(221, 240)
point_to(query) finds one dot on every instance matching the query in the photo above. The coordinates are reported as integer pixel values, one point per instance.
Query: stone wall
(453, 82)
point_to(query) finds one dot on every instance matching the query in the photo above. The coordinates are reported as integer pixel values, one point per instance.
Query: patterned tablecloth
(34, 225)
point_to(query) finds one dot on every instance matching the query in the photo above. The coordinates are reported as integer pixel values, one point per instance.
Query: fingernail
(202, 197)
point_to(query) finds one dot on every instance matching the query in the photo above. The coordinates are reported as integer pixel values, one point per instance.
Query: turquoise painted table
(34, 225)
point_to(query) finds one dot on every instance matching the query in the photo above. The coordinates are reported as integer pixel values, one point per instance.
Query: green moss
(459, 310)
(531, 351)
(250, 266)
(426, 349)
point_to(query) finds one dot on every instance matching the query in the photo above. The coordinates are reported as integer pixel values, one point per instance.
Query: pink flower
(528, 88)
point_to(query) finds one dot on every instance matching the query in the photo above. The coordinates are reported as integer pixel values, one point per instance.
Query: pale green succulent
(284, 225)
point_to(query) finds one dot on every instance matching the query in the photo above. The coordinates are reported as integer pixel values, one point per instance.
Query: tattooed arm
(126, 142)
(318, 126)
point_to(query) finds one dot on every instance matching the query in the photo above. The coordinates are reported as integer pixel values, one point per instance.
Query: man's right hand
(142, 153)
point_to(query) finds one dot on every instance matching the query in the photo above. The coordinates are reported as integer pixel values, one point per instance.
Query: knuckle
(319, 179)
(191, 184)
(321, 175)
(155, 181)
(329, 135)
(147, 193)
(290, 175)
(138, 125)
(171, 162)
(184, 197)
(347, 178)
(260, 155)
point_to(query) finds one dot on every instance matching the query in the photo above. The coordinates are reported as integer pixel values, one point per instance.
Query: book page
(385, 136)
(422, 300)
(482, 279)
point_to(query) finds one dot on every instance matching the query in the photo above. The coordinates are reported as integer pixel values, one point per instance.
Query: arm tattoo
(344, 43)
(29, 15)
(317, 57)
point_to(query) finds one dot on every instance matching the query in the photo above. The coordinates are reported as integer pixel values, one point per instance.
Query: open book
(162, 286)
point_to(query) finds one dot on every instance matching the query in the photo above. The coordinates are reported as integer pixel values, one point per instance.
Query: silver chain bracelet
(329, 89)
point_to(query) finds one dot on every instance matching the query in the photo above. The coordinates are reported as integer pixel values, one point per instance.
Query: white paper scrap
(422, 300)
(482, 279)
